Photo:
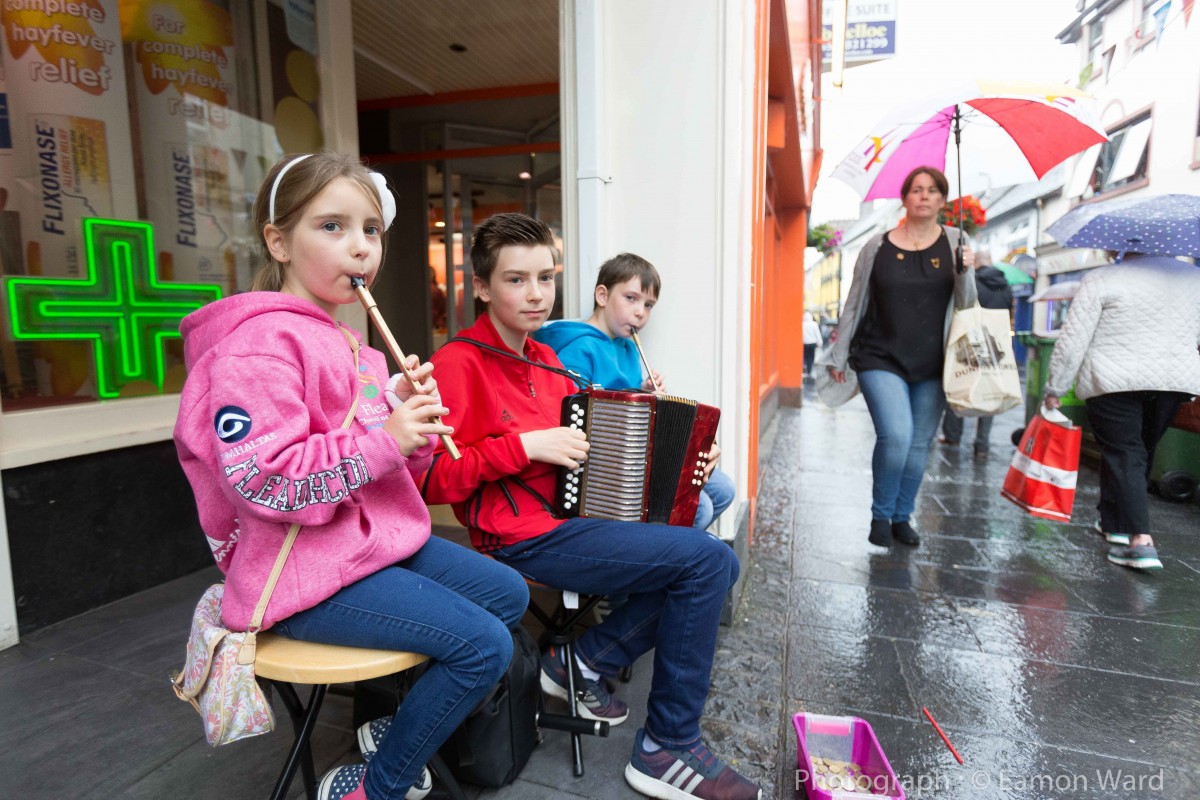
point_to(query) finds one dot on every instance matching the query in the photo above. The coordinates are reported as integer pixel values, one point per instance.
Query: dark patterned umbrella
(1165, 225)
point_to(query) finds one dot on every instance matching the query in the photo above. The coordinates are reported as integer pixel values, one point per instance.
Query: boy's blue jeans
(676, 579)
(906, 416)
(715, 497)
(445, 601)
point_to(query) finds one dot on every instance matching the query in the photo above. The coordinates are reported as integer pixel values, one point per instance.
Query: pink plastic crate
(848, 739)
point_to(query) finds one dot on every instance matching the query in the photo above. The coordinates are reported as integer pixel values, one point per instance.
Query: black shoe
(881, 533)
(903, 533)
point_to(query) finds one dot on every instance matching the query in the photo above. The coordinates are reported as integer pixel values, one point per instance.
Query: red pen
(938, 728)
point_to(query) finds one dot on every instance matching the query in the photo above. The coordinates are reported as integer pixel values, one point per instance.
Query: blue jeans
(676, 579)
(445, 601)
(715, 497)
(906, 416)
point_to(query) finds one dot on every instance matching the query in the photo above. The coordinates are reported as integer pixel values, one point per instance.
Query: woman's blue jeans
(906, 416)
(676, 579)
(445, 601)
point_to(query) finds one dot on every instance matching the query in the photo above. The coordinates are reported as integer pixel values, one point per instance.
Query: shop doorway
(464, 122)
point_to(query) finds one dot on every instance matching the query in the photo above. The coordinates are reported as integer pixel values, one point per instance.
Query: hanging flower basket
(972, 212)
(824, 238)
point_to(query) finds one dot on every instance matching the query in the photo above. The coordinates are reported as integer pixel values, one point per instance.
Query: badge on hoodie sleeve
(232, 424)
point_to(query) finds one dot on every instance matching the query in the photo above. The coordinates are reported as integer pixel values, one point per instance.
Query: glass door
(462, 194)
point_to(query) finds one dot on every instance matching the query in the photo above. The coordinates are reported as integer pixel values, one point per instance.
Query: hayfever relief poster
(69, 122)
(195, 162)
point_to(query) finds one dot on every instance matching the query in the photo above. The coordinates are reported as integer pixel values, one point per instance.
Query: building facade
(1140, 59)
(686, 133)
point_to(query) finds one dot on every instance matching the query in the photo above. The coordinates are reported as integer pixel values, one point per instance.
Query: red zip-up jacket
(495, 490)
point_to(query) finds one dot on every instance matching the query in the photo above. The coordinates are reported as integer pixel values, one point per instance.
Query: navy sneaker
(1111, 538)
(343, 783)
(370, 735)
(1143, 556)
(683, 774)
(595, 700)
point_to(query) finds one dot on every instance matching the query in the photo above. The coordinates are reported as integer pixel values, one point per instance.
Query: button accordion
(646, 460)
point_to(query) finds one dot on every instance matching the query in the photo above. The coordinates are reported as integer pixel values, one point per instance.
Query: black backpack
(491, 746)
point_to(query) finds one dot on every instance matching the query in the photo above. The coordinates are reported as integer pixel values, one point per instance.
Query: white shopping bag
(980, 374)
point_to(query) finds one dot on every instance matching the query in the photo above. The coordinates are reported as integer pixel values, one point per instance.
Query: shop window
(130, 152)
(1095, 39)
(1196, 145)
(1120, 161)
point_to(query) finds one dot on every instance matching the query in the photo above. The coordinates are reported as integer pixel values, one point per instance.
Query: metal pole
(958, 259)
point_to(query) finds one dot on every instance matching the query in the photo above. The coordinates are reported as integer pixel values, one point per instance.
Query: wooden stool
(282, 662)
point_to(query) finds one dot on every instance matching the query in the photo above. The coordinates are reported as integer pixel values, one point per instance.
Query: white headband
(386, 201)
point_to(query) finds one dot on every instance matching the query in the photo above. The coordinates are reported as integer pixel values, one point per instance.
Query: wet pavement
(1054, 673)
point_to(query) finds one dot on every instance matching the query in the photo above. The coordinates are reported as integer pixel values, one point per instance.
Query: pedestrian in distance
(1129, 345)
(272, 377)
(505, 391)
(892, 333)
(602, 351)
(994, 292)
(812, 340)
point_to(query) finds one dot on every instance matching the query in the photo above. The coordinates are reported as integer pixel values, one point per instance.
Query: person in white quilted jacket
(1131, 346)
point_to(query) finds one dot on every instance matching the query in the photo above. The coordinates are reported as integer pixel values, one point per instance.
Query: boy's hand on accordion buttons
(714, 453)
(413, 421)
(566, 447)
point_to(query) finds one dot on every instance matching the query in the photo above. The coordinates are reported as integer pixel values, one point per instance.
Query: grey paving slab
(1085, 640)
(1084, 709)
(855, 672)
(866, 611)
(73, 729)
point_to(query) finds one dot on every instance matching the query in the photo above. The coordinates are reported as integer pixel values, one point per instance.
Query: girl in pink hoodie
(271, 378)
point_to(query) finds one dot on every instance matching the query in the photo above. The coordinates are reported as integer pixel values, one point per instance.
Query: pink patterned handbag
(231, 703)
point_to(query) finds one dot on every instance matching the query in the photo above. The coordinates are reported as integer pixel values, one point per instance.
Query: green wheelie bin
(1176, 469)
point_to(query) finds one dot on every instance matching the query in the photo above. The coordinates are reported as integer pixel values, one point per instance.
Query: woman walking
(893, 334)
(1129, 345)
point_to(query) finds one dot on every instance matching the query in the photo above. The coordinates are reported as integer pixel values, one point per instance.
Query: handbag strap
(246, 652)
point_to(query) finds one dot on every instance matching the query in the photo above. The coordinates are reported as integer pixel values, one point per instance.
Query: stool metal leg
(573, 705)
(560, 629)
(438, 767)
(303, 721)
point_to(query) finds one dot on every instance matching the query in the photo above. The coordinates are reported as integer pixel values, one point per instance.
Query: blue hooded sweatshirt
(611, 363)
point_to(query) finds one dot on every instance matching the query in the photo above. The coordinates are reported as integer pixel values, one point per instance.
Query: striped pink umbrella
(1011, 132)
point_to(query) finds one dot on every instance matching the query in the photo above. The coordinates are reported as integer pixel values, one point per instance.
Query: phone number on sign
(872, 43)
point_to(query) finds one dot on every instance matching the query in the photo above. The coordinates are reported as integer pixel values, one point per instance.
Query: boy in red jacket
(505, 398)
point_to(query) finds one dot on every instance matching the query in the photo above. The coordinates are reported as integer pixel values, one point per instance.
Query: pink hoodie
(270, 380)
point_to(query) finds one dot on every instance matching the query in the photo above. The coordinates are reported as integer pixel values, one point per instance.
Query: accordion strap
(568, 373)
(246, 652)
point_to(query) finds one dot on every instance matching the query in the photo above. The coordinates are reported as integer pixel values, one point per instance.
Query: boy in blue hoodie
(602, 351)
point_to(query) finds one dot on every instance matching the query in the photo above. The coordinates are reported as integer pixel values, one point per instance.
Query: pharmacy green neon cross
(120, 305)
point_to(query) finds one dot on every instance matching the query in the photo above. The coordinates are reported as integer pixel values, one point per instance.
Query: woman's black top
(903, 330)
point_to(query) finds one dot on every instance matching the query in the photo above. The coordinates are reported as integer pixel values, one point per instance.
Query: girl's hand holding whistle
(413, 410)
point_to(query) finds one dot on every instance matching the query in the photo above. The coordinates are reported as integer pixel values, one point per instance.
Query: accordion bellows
(646, 461)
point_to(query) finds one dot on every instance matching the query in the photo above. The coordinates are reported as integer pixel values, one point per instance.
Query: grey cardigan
(965, 296)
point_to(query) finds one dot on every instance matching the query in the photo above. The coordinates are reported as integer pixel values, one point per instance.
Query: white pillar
(8, 602)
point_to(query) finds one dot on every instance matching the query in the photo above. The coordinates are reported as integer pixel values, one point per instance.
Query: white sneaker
(370, 735)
